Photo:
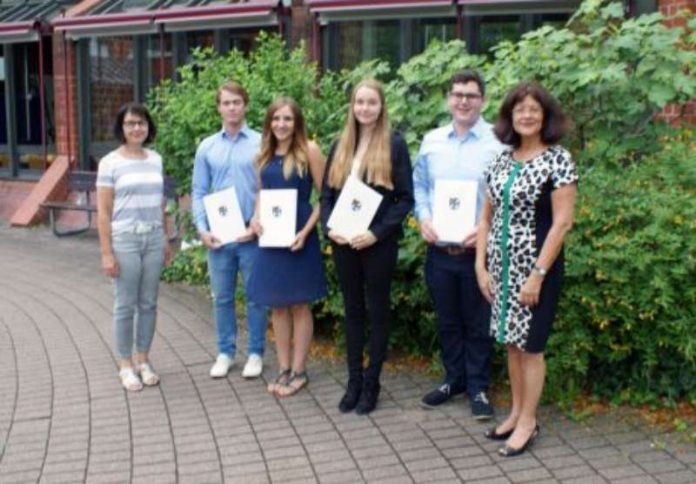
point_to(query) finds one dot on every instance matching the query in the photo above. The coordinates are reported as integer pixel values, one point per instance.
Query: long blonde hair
(297, 157)
(377, 160)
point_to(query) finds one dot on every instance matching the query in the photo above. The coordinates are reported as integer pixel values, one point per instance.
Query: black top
(395, 204)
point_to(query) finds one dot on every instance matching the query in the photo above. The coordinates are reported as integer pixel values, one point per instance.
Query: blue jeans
(224, 264)
(463, 320)
(140, 258)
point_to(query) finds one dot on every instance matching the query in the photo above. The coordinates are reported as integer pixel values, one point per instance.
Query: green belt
(505, 255)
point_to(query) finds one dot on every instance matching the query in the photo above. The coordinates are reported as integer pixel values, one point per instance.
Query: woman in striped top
(132, 228)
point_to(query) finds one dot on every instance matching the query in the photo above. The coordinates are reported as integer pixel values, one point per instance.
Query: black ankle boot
(368, 398)
(351, 397)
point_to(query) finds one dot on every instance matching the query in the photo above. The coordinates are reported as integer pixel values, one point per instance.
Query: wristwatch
(540, 270)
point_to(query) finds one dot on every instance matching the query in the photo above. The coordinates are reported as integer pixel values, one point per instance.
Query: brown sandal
(282, 379)
(296, 383)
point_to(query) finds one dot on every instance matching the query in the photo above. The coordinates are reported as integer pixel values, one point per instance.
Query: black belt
(455, 250)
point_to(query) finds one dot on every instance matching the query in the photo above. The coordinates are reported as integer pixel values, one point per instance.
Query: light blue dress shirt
(224, 161)
(445, 156)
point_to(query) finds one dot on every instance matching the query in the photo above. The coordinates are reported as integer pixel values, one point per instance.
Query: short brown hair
(232, 87)
(553, 127)
(466, 76)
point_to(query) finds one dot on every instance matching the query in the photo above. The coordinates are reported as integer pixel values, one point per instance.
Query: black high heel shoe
(507, 451)
(493, 435)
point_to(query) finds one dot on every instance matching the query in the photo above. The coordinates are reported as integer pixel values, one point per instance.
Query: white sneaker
(222, 366)
(253, 367)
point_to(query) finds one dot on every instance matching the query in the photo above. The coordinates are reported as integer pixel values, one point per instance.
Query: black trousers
(365, 277)
(463, 320)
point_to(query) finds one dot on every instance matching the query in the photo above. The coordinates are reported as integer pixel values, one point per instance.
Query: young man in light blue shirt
(460, 150)
(226, 159)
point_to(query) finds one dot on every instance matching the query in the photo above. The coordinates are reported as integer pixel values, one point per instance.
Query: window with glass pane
(431, 29)
(244, 40)
(111, 86)
(556, 20)
(160, 61)
(494, 29)
(198, 38)
(367, 39)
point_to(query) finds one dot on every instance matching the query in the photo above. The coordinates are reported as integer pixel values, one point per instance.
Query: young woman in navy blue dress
(288, 279)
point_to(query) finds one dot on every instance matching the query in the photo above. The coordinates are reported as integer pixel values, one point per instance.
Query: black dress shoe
(368, 398)
(507, 451)
(493, 435)
(351, 397)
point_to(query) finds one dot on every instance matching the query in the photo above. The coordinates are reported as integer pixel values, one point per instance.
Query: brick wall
(672, 8)
(65, 97)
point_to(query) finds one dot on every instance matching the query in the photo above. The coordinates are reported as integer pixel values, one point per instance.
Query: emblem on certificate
(454, 209)
(355, 208)
(278, 217)
(224, 215)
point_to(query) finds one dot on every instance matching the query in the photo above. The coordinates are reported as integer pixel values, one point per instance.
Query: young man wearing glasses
(460, 150)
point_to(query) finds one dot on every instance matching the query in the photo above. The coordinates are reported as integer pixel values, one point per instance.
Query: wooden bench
(84, 183)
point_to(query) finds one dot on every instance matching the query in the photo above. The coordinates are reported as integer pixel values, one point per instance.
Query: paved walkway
(64, 417)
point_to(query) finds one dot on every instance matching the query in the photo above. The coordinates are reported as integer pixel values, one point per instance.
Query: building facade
(67, 66)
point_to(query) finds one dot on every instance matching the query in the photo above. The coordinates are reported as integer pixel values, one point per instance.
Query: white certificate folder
(224, 215)
(278, 217)
(354, 210)
(454, 209)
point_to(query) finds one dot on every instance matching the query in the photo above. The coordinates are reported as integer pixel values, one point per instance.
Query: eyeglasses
(520, 110)
(133, 124)
(469, 96)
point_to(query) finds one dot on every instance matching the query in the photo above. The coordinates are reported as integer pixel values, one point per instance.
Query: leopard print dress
(520, 195)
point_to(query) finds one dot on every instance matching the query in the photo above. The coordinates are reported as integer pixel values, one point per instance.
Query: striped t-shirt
(138, 188)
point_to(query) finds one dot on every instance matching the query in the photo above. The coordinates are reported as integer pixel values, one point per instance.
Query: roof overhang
(342, 10)
(14, 32)
(259, 13)
(516, 7)
(256, 14)
(105, 25)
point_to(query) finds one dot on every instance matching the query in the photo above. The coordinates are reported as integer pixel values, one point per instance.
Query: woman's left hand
(298, 243)
(168, 253)
(529, 294)
(363, 241)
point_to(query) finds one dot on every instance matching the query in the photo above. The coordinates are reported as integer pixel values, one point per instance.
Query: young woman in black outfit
(365, 265)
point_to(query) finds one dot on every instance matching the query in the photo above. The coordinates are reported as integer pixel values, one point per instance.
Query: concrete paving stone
(367, 442)
(341, 477)
(291, 441)
(362, 434)
(16, 457)
(412, 444)
(596, 479)
(470, 462)
(678, 477)
(377, 461)
(589, 443)
(144, 458)
(334, 466)
(248, 479)
(463, 451)
(529, 475)
(574, 471)
(156, 479)
(187, 458)
(62, 478)
(651, 456)
(234, 459)
(642, 479)
(277, 434)
(20, 477)
(635, 447)
(622, 471)
(244, 469)
(480, 472)
(198, 468)
(392, 480)
(113, 477)
(372, 451)
(155, 468)
(459, 441)
(120, 455)
(419, 454)
(201, 478)
(434, 475)
(275, 465)
(284, 452)
(10, 467)
(596, 452)
(65, 466)
(687, 456)
(660, 466)
(444, 433)
(562, 461)
(234, 448)
(207, 446)
(626, 437)
(494, 480)
(552, 452)
(618, 460)
(284, 475)
(321, 457)
(426, 464)
(523, 462)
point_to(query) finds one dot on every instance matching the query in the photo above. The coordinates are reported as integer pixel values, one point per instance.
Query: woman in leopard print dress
(519, 265)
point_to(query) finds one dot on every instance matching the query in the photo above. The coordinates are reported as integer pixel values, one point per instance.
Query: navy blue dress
(280, 277)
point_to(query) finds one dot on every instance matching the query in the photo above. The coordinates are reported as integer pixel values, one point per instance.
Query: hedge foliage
(626, 322)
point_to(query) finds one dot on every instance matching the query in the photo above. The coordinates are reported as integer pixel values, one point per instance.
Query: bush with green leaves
(628, 309)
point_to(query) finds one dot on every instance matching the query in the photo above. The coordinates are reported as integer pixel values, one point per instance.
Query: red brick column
(671, 8)
(301, 20)
(65, 94)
